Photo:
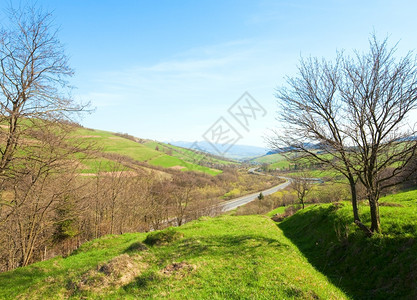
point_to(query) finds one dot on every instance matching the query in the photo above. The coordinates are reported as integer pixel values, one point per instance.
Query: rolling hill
(110, 145)
(274, 161)
(238, 152)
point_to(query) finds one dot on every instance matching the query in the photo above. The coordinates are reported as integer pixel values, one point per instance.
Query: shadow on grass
(381, 267)
(143, 281)
(21, 278)
(223, 245)
(216, 247)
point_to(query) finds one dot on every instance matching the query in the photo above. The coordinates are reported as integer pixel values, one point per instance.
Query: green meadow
(212, 258)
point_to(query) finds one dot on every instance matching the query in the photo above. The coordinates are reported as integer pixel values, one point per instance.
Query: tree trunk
(374, 208)
(354, 199)
(112, 217)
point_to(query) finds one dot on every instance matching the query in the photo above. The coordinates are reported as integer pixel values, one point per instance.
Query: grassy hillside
(278, 161)
(381, 267)
(273, 160)
(142, 150)
(187, 154)
(213, 258)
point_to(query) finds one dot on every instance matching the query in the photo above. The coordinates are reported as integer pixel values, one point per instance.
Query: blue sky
(168, 70)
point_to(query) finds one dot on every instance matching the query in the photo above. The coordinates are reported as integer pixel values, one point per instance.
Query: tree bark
(354, 199)
(374, 208)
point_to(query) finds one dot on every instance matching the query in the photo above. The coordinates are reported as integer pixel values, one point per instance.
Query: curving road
(234, 203)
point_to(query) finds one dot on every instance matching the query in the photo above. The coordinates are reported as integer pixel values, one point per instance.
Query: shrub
(329, 192)
(233, 193)
(163, 237)
(136, 247)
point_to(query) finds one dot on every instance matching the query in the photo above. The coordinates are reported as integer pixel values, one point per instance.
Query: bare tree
(182, 194)
(157, 204)
(37, 167)
(302, 185)
(354, 111)
(379, 92)
(312, 112)
(46, 177)
(33, 72)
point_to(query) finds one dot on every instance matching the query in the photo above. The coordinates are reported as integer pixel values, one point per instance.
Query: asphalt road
(234, 203)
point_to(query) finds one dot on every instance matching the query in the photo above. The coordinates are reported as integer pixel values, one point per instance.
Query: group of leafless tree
(33, 71)
(351, 114)
(46, 206)
(48, 213)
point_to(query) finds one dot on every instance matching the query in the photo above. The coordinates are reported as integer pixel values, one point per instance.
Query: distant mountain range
(238, 152)
(287, 149)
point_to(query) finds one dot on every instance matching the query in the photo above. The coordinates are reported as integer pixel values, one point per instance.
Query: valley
(208, 150)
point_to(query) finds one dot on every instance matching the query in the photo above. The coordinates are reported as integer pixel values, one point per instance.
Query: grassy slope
(273, 160)
(280, 162)
(108, 142)
(184, 153)
(382, 267)
(234, 258)
(278, 210)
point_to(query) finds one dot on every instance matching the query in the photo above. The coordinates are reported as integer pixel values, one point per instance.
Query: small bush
(328, 193)
(390, 204)
(136, 247)
(163, 237)
(231, 194)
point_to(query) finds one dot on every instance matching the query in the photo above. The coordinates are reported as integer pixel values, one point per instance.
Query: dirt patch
(119, 173)
(29, 142)
(158, 173)
(118, 272)
(88, 136)
(80, 165)
(180, 269)
(289, 211)
(390, 204)
(112, 174)
(88, 174)
(177, 167)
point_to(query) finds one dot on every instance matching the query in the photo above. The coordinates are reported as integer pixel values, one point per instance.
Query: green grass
(284, 164)
(115, 144)
(278, 210)
(381, 267)
(169, 162)
(269, 159)
(226, 257)
(274, 161)
(281, 162)
(94, 165)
